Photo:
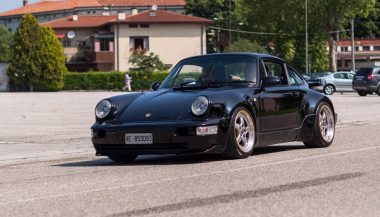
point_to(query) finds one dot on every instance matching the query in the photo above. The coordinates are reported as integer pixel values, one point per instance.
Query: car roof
(257, 55)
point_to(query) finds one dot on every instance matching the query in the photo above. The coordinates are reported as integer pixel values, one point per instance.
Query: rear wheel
(329, 89)
(362, 93)
(324, 128)
(241, 134)
(122, 158)
(378, 91)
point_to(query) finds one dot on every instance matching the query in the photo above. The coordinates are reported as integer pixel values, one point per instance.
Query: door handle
(294, 94)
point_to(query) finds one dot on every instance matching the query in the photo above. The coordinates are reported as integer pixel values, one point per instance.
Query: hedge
(110, 80)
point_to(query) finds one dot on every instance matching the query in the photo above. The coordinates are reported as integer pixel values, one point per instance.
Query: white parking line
(194, 175)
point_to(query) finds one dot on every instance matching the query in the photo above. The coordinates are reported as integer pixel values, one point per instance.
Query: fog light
(208, 130)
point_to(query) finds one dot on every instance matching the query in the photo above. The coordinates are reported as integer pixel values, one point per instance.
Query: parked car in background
(367, 80)
(336, 82)
(314, 81)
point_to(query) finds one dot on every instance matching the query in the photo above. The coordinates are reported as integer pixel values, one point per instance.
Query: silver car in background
(336, 82)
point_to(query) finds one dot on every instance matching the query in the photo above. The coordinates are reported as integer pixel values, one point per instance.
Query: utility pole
(230, 26)
(306, 42)
(353, 45)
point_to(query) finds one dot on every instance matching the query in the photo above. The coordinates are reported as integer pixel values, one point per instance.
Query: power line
(272, 33)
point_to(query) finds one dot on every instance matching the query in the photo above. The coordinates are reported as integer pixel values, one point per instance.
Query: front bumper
(168, 138)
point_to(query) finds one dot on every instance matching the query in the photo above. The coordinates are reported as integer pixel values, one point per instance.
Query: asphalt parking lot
(48, 168)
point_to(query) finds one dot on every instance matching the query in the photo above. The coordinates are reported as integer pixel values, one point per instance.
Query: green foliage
(245, 45)
(148, 63)
(110, 80)
(5, 44)
(37, 61)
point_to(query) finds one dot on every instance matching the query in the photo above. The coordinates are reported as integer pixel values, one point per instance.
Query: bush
(148, 63)
(110, 80)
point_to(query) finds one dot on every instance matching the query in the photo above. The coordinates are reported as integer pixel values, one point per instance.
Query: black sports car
(219, 103)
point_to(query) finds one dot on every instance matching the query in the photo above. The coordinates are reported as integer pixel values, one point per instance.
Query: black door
(279, 105)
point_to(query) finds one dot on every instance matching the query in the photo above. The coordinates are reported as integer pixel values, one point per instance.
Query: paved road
(48, 168)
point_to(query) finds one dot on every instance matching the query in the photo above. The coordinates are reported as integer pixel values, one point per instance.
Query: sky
(6, 5)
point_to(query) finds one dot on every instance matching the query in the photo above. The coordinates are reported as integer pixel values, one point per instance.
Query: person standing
(127, 81)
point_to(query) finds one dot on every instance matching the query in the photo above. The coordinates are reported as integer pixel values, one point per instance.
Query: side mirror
(270, 82)
(155, 86)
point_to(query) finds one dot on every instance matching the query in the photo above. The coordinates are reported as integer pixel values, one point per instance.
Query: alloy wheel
(326, 123)
(244, 131)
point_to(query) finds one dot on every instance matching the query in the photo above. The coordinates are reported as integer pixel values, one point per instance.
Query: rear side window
(340, 76)
(364, 71)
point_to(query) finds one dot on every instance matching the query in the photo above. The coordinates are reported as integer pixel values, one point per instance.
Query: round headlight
(200, 105)
(103, 109)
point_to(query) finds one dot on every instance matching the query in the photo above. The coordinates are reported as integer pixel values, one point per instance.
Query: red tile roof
(361, 42)
(160, 16)
(58, 5)
(89, 21)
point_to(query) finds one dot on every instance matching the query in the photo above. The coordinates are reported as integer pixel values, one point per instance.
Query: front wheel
(241, 134)
(324, 128)
(329, 89)
(362, 93)
(122, 158)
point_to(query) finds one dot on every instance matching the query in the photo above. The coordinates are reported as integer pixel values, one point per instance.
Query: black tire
(318, 141)
(329, 89)
(243, 148)
(362, 93)
(122, 158)
(378, 91)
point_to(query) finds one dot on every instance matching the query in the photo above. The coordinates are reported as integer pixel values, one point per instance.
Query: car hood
(163, 105)
(167, 104)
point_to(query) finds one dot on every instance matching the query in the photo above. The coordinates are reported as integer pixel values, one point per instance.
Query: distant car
(314, 81)
(367, 80)
(336, 82)
(218, 103)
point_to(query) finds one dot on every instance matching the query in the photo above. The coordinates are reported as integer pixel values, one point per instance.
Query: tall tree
(5, 44)
(37, 61)
(332, 15)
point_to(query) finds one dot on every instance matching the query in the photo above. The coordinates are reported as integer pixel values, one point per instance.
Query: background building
(107, 42)
(49, 10)
(367, 53)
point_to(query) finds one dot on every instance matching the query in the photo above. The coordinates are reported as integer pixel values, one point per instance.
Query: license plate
(138, 138)
(359, 78)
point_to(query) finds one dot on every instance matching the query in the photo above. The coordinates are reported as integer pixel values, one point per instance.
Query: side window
(276, 69)
(339, 76)
(350, 76)
(293, 77)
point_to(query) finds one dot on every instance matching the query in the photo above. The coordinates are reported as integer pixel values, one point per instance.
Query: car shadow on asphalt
(177, 159)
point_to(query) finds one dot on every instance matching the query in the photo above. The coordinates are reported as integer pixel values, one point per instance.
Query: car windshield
(207, 71)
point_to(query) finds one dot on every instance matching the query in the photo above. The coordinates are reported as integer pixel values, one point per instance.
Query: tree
(148, 63)
(37, 61)
(245, 45)
(332, 15)
(5, 44)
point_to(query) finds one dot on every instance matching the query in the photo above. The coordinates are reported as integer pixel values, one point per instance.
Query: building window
(339, 63)
(376, 48)
(366, 48)
(344, 49)
(132, 25)
(357, 48)
(81, 43)
(139, 43)
(144, 25)
(66, 43)
(105, 44)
